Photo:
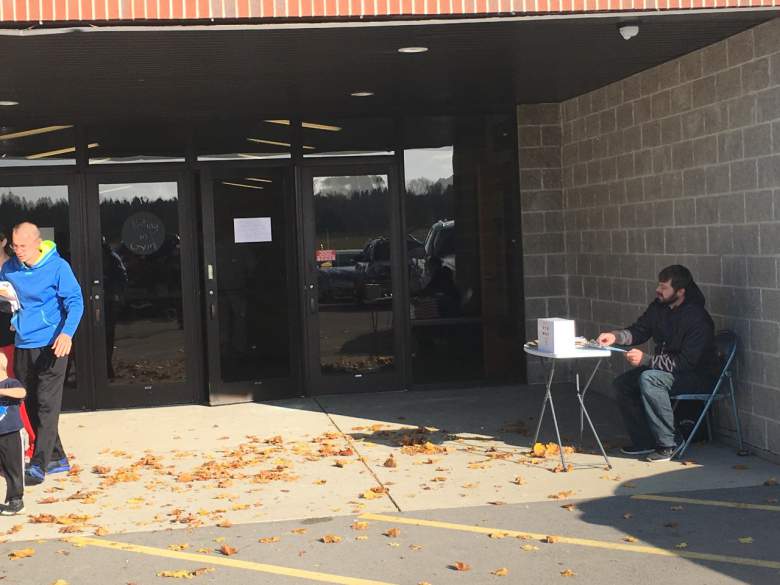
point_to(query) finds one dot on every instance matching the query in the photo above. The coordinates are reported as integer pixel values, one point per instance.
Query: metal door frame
(128, 395)
(314, 382)
(267, 389)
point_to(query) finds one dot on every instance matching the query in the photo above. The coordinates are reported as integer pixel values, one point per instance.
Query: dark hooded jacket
(684, 340)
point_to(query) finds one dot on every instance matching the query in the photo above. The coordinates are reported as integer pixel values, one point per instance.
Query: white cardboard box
(556, 335)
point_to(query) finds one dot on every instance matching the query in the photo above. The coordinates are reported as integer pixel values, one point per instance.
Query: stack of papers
(9, 302)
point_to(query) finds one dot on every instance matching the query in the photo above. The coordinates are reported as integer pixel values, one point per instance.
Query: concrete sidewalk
(189, 466)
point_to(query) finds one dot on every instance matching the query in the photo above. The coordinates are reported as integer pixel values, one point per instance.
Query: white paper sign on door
(247, 230)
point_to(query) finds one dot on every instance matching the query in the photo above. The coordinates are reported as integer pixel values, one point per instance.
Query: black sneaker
(33, 475)
(12, 507)
(634, 450)
(662, 454)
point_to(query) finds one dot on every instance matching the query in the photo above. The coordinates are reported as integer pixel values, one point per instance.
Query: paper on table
(9, 303)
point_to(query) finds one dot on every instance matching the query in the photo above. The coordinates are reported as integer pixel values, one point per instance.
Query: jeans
(643, 398)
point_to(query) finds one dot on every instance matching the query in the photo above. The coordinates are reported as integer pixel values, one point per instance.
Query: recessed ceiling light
(362, 93)
(8, 103)
(412, 49)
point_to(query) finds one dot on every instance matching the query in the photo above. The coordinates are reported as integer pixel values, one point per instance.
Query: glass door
(142, 290)
(249, 272)
(52, 204)
(351, 275)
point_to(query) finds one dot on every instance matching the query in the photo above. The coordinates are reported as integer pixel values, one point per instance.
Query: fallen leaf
(569, 507)
(741, 467)
(60, 582)
(630, 539)
(100, 531)
(299, 530)
(497, 535)
(268, 539)
(392, 532)
(518, 480)
(370, 495)
(671, 525)
(551, 539)
(224, 524)
(423, 583)
(681, 545)
(330, 539)
(771, 481)
(746, 540)
(357, 525)
(567, 573)
(178, 547)
(23, 553)
(628, 515)
(561, 495)
(502, 572)
(528, 547)
(415, 547)
(361, 537)
(675, 508)
(185, 573)
(390, 462)
(101, 469)
(460, 566)
(227, 550)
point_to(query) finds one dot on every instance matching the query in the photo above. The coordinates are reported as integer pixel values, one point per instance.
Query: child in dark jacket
(11, 447)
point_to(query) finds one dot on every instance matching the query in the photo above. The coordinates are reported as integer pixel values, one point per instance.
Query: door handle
(312, 304)
(212, 311)
(97, 303)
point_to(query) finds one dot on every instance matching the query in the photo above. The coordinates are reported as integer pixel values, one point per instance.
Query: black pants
(43, 375)
(12, 464)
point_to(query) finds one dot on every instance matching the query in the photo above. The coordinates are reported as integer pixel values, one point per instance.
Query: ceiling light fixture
(411, 50)
(362, 93)
(311, 125)
(242, 185)
(628, 31)
(58, 152)
(33, 132)
(276, 143)
(8, 103)
(258, 179)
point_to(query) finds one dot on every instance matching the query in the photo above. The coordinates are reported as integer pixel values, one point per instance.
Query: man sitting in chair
(684, 360)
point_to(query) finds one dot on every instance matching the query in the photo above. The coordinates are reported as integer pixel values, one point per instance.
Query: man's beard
(673, 299)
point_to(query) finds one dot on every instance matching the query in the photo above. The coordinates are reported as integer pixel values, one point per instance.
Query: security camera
(628, 31)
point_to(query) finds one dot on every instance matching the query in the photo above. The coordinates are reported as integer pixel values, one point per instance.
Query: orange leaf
(567, 573)
(460, 566)
(392, 532)
(227, 550)
(390, 462)
(502, 572)
(330, 539)
(21, 554)
(551, 539)
(268, 539)
(101, 469)
(359, 525)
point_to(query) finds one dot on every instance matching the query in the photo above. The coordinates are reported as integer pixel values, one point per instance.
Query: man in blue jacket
(51, 306)
(683, 360)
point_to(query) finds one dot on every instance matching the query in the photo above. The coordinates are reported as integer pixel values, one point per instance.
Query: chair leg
(736, 415)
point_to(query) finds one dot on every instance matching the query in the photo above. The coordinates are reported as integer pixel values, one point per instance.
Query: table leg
(584, 411)
(584, 391)
(547, 396)
(557, 432)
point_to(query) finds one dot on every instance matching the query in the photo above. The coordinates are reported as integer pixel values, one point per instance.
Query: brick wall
(677, 164)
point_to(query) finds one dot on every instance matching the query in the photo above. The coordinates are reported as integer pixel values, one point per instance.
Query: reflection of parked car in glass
(437, 251)
(372, 266)
(336, 279)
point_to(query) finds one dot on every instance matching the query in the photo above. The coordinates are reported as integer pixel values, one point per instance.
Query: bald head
(27, 242)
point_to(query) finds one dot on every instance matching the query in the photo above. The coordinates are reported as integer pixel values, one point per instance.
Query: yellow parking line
(223, 561)
(635, 548)
(716, 503)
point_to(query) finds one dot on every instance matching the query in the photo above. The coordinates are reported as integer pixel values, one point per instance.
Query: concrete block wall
(544, 257)
(677, 164)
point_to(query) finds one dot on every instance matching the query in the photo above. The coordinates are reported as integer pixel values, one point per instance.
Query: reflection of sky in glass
(428, 163)
(33, 194)
(126, 192)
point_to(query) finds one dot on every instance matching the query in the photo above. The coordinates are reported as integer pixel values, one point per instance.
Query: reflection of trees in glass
(428, 202)
(42, 210)
(360, 213)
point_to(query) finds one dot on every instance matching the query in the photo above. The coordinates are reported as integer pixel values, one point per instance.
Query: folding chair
(726, 347)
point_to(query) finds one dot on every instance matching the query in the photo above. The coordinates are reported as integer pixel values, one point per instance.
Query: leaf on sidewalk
(23, 553)
(268, 539)
(460, 566)
(330, 539)
(185, 573)
(392, 532)
(567, 573)
(746, 540)
(502, 572)
(227, 550)
(681, 545)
